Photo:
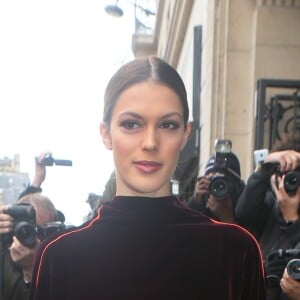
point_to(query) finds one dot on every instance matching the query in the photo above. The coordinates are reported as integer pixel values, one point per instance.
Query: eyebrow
(168, 115)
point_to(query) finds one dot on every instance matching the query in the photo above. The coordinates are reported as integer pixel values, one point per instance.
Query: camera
(291, 180)
(50, 228)
(222, 182)
(219, 186)
(50, 161)
(293, 268)
(280, 259)
(25, 229)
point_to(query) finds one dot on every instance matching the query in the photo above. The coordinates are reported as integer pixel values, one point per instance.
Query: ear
(104, 131)
(186, 135)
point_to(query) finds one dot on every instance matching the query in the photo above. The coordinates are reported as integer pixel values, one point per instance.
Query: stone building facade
(236, 45)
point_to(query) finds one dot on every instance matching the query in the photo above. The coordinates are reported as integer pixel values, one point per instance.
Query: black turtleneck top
(149, 248)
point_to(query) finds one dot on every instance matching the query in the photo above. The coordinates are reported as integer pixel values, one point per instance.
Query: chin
(150, 190)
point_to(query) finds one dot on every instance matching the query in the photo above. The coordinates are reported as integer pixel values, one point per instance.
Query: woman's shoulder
(235, 235)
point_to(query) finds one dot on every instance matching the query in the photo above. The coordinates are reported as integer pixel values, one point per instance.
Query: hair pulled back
(151, 69)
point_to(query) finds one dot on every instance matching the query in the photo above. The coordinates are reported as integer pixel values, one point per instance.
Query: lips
(147, 167)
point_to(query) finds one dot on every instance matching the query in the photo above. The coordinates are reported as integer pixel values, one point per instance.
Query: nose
(150, 140)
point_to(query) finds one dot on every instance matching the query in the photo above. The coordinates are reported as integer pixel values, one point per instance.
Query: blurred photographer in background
(22, 227)
(217, 191)
(270, 207)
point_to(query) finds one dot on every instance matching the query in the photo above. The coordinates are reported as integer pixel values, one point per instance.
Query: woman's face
(146, 135)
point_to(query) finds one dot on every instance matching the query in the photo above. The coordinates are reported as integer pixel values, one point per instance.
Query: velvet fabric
(149, 248)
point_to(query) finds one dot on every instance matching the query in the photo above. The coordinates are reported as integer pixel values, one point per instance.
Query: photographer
(17, 258)
(219, 202)
(270, 209)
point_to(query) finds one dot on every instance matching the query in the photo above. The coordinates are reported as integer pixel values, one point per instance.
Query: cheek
(172, 147)
(123, 146)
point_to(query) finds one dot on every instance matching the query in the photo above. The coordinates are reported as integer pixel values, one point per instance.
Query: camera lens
(219, 187)
(26, 233)
(293, 268)
(292, 181)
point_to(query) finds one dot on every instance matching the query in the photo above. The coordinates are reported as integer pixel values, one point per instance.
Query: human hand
(288, 204)
(201, 188)
(288, 159)
(222, 209)
(6, 221)
(40, 170)
(290, 286)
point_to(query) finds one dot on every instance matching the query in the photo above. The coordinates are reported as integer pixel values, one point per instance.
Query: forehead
(149, 97)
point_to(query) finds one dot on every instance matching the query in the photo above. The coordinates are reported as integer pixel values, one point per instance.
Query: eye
(169, 125)
(130, 124)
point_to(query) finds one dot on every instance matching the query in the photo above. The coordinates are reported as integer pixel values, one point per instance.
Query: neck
(27, 275)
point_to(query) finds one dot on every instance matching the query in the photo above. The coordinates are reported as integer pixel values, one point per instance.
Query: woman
(146, 244)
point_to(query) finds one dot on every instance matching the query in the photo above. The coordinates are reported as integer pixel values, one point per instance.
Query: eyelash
(169, 125)
(132, 125)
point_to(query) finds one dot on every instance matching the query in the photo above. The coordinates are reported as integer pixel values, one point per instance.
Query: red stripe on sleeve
(60, 237)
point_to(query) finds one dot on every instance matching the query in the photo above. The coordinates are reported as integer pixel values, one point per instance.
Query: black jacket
(14, 287)
(257, 210)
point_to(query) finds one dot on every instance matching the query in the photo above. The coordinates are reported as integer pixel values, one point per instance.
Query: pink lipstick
(147, 166)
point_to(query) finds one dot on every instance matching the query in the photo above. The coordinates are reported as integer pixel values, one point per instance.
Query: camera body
(291, 179)
(25, 225)
(50, 228)
(280, 259)
(26, 230)
(50, 161)
(219, 186)
(220, 183)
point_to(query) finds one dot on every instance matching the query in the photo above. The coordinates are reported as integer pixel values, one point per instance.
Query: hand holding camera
(23, 225)
(287, 199)
(6, 221)
(202, 188)
(48, 160)
(283, 169)
(289, 282)
(288, 160)
(41, 162)
(24, 228)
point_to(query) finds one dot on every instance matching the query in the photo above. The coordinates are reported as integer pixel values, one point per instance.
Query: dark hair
(152, 69)
(290, 141)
